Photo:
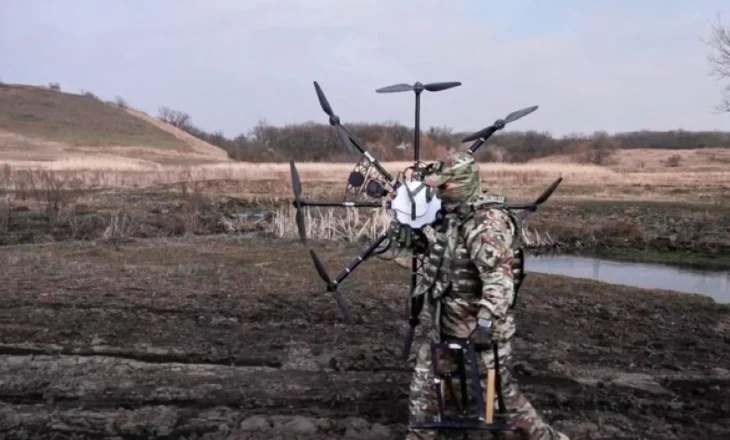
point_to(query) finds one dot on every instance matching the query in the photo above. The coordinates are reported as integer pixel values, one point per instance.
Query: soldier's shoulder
(490, 206)
(490, 211)
(489, 201)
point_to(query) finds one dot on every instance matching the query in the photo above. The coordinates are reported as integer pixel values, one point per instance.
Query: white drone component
(426, 210)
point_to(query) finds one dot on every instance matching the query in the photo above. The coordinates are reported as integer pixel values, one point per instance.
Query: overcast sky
(618, 66)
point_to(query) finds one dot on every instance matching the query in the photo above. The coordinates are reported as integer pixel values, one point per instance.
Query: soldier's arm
(489, 241)
(401, 257)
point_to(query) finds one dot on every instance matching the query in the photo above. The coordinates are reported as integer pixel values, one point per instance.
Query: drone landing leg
(464, 353)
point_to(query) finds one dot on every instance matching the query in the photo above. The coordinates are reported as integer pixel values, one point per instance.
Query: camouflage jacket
(468, 271)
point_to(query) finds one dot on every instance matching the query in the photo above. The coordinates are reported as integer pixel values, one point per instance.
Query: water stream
(645, 275)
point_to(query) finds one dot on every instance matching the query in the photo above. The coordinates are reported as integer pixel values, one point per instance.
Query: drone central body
(415, 205)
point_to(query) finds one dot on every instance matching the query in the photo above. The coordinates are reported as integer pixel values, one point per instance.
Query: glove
(482, 336)
(484, 323)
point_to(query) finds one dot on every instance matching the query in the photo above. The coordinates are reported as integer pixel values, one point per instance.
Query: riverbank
(208, 336)
(684, 234)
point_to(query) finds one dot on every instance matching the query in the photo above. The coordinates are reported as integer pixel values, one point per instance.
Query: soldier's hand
(483, 332)
(484, 326)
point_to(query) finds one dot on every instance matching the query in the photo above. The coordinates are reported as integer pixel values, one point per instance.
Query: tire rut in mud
(159, 356)
(96, 379)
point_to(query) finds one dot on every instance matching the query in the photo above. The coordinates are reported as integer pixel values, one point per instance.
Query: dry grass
(357, 225)
(82, 200)
(516, 180)
(76, 120)
(39, 124)
(656, 160)
(328, 224)
(200, 147)
(650, 160)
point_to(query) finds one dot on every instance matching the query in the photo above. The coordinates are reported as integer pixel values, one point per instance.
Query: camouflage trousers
(423, 406)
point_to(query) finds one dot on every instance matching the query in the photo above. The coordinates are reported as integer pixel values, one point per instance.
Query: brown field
(151, 288)
(516, 180)
(40, 124)
(646, 160)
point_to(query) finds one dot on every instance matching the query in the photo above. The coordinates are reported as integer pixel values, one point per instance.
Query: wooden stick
(489, 399)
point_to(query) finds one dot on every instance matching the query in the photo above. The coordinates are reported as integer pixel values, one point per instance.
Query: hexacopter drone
(411, 205)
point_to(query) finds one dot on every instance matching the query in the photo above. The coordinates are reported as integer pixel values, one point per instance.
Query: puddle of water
(650, 276)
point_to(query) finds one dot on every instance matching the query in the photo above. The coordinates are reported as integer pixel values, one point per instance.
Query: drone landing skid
(463, 352)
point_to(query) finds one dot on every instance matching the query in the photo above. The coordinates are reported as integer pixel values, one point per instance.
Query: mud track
(224, 338)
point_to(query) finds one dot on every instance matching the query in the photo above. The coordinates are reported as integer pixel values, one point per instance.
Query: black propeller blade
(296, 184)
(486, 132)
(548, 192)
(395, 88)
(482, 135)
(347, 139)
(437, 87)
(334, 119)
(418, 87)
(344, 273)
(519, 113)
(532, 207)
(331, 287)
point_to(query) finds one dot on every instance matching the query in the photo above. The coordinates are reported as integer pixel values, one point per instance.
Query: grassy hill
(41, 124)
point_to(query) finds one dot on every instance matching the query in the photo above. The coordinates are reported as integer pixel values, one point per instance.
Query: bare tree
(175, 118)
(720, 60)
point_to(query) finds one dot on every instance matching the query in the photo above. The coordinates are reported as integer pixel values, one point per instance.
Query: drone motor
(375, 189)
(356, 179)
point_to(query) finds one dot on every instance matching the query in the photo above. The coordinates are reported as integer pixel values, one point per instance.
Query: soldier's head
(458, 179)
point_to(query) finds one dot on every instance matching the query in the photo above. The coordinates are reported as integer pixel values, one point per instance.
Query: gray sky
(618, 66)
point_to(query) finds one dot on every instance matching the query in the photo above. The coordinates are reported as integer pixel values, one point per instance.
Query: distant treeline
(317, 142)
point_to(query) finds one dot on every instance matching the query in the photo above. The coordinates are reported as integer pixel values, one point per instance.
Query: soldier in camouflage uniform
(468, 283)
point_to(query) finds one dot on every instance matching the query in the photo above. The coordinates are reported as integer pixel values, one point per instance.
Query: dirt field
(207, 337)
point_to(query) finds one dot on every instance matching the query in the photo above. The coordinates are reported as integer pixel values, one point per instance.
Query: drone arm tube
(489, 243)
(374, 161)
(364, 255)
(340, 204)
(416, 307)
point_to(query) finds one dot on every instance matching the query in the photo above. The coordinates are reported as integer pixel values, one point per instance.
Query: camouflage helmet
(457, 179)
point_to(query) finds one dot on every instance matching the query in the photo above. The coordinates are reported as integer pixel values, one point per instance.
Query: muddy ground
(223, 337)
